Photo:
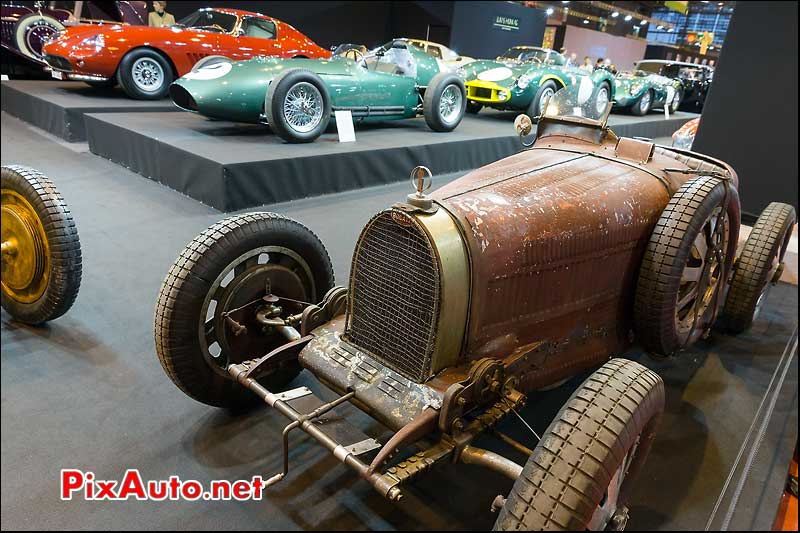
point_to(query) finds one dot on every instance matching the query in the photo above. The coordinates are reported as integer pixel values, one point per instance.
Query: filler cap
(422, 179)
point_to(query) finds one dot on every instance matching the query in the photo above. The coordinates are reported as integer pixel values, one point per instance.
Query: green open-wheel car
(297, 96)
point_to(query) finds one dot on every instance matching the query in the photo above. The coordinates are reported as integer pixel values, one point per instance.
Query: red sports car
(145, 60)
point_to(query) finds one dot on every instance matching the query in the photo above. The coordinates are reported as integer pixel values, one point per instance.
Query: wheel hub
(256, 289)
(25, 254)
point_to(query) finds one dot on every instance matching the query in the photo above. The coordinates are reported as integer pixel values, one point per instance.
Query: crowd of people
(588, 65)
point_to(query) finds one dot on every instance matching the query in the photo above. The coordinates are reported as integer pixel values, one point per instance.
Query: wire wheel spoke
(303, 107)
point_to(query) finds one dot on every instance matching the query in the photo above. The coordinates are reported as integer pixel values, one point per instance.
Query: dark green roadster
(524, 78)
(296, 96)
(640, 91)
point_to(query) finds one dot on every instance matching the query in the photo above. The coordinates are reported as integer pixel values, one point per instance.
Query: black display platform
(58, 107)
(233, 166)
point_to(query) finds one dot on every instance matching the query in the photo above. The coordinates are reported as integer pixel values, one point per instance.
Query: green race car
(640, 91)
(296, 96)
(525, 77)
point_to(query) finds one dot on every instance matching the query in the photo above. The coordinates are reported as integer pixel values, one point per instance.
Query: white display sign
(344, 125)
(671, 95)
(57, 74)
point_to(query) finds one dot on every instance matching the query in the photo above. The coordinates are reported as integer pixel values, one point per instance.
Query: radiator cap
(422, 179)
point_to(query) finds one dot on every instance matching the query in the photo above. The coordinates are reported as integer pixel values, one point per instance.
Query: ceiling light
(615, 14)
(669, 30)
(585, 21)
(642, 23)
(627, 18)
(659, 27)
(549, 11)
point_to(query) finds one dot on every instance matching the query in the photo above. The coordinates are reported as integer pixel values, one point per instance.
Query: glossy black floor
(86, 391)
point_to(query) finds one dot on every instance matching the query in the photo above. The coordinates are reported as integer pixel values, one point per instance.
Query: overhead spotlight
(549, 11)
(585, 21)
(615, 14)
(659, 27)
(627, 18)
(642, 23)
(669, 30)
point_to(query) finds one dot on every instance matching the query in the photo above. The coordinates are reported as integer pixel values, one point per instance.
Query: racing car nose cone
(495, 74)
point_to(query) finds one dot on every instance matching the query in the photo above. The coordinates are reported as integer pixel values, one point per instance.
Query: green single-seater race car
(524, 78)
(296, 97)
(639, 92)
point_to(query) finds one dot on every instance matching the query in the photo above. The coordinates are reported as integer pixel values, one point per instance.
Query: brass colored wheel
(41, 255)
(25, 249)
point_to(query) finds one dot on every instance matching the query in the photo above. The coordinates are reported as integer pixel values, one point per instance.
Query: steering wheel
(355, 54)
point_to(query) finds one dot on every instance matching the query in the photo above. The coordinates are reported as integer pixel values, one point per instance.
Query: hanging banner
(676, 5)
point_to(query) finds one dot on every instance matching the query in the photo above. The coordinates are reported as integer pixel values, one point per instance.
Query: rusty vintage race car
(510, 279)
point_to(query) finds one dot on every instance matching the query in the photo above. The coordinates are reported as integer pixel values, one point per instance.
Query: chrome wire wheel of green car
(601, 99)
(297, 106)
(444, 102)
(450, 104)
(147, 74)
(540, 99)
(643, 105)
(303, 107)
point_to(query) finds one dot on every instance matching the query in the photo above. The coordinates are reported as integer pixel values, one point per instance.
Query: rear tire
(760, 261)
(679, 285)
(444, 102)
(48, 290)
(292, 85)
(183, 328)
(145, 74)
(611, 418)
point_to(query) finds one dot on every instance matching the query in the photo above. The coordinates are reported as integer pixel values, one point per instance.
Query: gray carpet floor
(86, 391)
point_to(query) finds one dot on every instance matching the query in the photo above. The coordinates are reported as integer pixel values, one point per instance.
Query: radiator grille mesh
(395, 294)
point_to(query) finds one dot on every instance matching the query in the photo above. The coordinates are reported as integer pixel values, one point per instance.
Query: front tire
(676, 101)
(602, 98)
(759, 263)
(41, 258)
(298, 106)
(445, 102)
(145, 74)
(686, 261)
(583, 469)
(33, 31)
(644, 104)
(216, 276)
(542, 96)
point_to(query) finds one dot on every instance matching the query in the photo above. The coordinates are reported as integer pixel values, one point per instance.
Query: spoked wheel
(760, 265)
(219, 303)
(33, 31)
(581, 473)
(41, 253)
(643, 105)
(298, 106)
(676, 101)
(542, 97)
(444, 102)
(602, 98)
(687, 259)
(701, 274)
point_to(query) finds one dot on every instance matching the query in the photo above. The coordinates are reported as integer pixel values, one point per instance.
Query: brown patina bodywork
(555, 235)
